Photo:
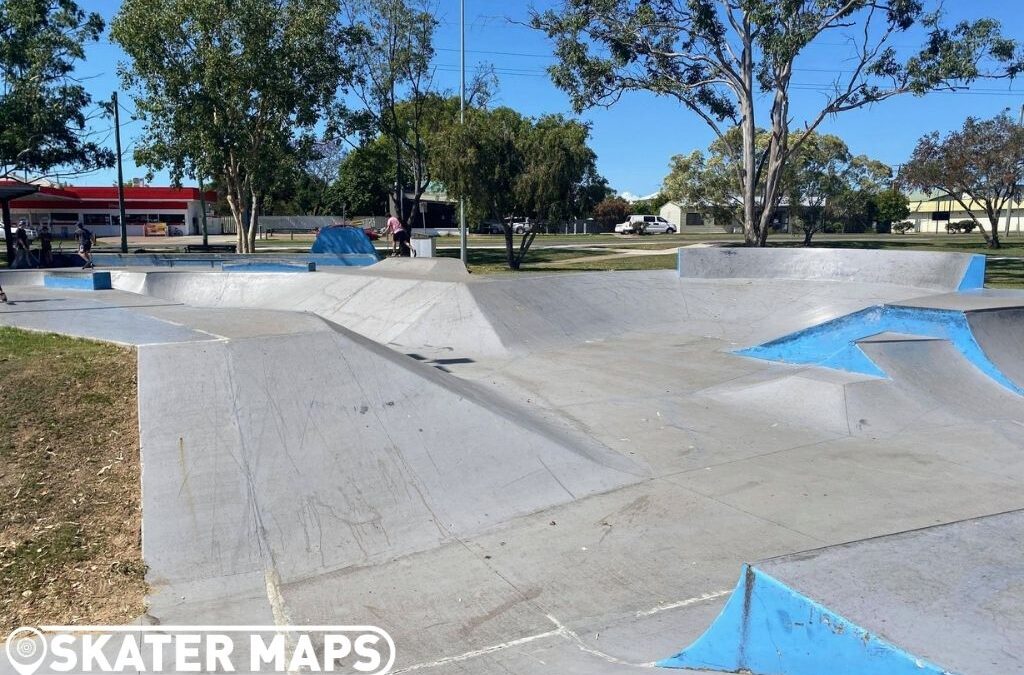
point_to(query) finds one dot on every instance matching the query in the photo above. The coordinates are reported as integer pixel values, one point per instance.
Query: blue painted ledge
(768, 628)
(81, 281)
(833, 344)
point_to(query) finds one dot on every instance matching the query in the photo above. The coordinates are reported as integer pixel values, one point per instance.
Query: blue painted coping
(768, 628)
(82, 281)
(974, 275)
(833, 344)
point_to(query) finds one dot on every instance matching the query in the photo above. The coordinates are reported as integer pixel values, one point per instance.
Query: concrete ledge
(921, 269)
(269, 267)
(82, 281)
(217, 261)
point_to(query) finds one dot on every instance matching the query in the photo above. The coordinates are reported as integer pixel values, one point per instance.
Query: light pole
(202, 205)
(463, 253)
(120, 174)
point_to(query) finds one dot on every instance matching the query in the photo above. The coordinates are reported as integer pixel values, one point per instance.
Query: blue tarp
(342, 240)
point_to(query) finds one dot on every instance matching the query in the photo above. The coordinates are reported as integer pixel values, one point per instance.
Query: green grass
(633, 262)
(1004, 272)
(69, 482)
(495, 261)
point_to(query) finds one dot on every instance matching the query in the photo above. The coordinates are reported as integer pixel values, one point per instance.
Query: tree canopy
(44, 110)
(509, 166)
(232, 90)
(366, 179)
(824, 184)
(722, 58)
(611, 211)
(978, 166)
(393, 80)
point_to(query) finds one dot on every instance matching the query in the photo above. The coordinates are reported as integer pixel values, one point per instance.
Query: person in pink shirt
(399, 237)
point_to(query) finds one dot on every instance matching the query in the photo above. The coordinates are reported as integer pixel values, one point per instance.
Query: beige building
(932, 215)
(690, 219)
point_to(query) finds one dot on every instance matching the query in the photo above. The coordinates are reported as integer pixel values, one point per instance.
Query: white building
(149, 211)
(932, 215)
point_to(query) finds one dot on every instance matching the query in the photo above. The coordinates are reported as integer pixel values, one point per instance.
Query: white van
(645, 224)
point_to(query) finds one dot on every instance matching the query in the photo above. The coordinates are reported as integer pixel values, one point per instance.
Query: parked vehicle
(521, 226)
(518, 225)
(29, 232)
(645, 225)
(490, 227)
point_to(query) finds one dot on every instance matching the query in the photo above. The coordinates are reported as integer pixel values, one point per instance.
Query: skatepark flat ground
(553, 474)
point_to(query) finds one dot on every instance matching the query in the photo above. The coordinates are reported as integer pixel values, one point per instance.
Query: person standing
(45, 247)
(398, 234)
(85, 240)
(22, 258)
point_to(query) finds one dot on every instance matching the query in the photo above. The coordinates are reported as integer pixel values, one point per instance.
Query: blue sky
(635, 139)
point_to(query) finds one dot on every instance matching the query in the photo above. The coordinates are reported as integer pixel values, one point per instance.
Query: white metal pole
(463, 253)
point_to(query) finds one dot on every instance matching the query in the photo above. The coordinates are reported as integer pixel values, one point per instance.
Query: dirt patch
(70, 502)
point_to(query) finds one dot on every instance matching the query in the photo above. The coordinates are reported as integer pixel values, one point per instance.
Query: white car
(521, 226)
(29, 232)
(645, 224)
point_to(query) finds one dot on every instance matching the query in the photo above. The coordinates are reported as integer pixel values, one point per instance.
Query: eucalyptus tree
(232, 90)
(979, 166)
(722, 59)
(44, 109)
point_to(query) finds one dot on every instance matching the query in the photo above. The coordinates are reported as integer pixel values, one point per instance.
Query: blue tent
(342, 240)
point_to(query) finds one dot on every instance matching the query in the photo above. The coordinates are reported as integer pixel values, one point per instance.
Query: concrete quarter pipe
(567, 473)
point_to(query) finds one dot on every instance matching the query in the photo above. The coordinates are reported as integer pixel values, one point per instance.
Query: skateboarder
(85, 240)
(45, 247)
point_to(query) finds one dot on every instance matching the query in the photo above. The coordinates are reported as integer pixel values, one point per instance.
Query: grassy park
(69, 469)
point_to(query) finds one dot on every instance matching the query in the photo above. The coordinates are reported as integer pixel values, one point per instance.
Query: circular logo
(26, 649)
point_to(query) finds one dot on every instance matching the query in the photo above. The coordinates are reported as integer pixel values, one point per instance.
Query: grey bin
(424, 247)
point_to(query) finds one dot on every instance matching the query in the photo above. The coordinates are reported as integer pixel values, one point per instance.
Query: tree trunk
(748, 126)
(8, 237)
(254, 223)
(751, 235)
(238, 216)
(510, 254)
(993, 239)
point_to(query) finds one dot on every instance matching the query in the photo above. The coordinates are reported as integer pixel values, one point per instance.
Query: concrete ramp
(839, 343)
(292, 455)
(943, 599)
(1000, 332)
(920, 269)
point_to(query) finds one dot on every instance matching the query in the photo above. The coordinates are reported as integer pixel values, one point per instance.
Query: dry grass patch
(70, 501)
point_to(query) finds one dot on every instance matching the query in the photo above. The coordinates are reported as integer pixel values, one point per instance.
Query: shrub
(903, 227)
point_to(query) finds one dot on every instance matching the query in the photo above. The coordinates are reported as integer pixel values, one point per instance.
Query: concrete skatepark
(771, 461)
